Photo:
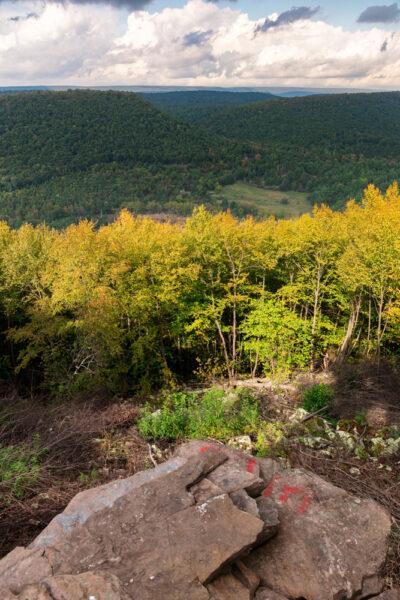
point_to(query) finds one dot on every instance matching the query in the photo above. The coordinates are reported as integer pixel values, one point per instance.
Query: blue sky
(212, 43)
(338, 12)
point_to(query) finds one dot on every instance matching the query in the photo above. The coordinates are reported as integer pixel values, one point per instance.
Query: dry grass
(83, 445)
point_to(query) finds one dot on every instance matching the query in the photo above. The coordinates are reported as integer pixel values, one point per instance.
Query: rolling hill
(71, 154)
(66, 155)
(329, 146)
(180, 101)
(366, 124)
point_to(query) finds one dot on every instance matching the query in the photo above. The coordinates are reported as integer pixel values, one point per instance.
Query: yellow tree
(233, 259)
(371, 263)
(310, 247)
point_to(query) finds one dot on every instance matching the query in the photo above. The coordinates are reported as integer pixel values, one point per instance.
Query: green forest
(138, 304)
(190, 104)
(329, 146)
(79, 154)
(68, 155)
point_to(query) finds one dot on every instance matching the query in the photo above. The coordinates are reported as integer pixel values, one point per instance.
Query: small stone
(242, 442)
(355, 471)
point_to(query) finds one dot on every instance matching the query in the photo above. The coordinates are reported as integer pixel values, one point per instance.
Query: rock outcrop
(212, 523)
(325, 531)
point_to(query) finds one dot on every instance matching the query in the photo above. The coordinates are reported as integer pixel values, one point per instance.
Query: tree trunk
(352, 324)
(317, 292)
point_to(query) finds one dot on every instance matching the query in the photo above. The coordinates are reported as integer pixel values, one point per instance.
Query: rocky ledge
(212, 523)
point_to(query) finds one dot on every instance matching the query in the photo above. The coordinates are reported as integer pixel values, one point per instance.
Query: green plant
(278, 338)
(271, 439)
(189, 415)
(317, 397)
(361, 418)
(19, 468)
(89, 478)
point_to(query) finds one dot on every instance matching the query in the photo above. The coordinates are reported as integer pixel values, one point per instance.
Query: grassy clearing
(266, 202)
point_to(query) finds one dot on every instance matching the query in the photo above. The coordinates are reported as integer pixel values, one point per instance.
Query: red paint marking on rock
(251, 463)
(305, 505)
(204, 449)
(288, 491)
(270, 487)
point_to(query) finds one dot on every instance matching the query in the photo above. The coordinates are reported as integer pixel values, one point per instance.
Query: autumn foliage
(139, 304)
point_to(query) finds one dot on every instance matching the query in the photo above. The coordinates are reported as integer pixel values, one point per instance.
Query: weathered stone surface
(266, 594)
(240, 471)
(86, 586)
(227, 587)
(264, 508)
(389, 595)
(210, 535)
(268, 468)
(21, 567)
(204, 490)
(268, 513)
(147, 531)
(232, 476)
(243, 501)
(246, 576)
(330, 544)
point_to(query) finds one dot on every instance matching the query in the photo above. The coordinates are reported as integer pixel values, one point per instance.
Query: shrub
(317, 397)
(214, 414)
(271, 439)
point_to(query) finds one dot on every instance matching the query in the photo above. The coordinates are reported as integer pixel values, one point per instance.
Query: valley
(262, 202)
(68, 155)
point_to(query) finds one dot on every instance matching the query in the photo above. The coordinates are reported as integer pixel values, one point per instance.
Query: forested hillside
(198, 103)
(331, 146)
(76, 154)
(140, 304)
(82, 153)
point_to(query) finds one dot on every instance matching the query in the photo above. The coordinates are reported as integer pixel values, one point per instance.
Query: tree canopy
(138, 303)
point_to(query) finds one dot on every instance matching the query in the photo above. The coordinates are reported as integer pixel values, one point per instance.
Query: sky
(225, 43)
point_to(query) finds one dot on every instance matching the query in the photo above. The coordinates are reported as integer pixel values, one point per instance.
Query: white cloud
(93, 44)
(59, 43)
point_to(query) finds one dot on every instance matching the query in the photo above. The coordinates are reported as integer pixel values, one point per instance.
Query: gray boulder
(147, 531)
(330, 544)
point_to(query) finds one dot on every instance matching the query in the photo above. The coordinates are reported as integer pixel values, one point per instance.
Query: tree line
(140, 304)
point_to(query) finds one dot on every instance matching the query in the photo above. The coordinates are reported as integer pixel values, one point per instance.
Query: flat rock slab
(147, 531)
(389, 595)
(330, 544)
(86, 586)
(240, 471)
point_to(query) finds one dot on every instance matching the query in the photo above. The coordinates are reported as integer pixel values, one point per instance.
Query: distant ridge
(285, 92)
